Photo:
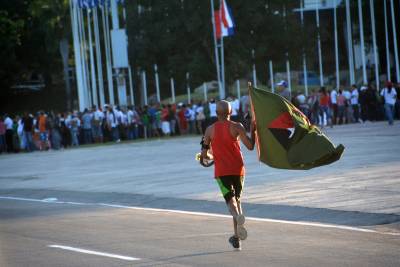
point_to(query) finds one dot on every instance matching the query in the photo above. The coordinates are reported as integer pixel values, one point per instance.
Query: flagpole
(254, 69)
(388, 74)
(98, 57)
(188, 88)
(91, 57)
(271, 74)
(216, 50)
(350, 43)
(205, 92)
(288, 76)
(361, 24)
(172, 90)
(77, 54)
(83, 58)
(157, 83)
(371, 4)
(87, 61)
(396, 53)
(336, 47)
(305, 75)
(144, 84)
(222, 52)
(321, 73)
(131, 86)
(238, 88)
(106, 30)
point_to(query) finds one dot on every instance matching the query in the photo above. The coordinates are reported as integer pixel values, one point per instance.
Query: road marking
(92, 252)
(205, 214)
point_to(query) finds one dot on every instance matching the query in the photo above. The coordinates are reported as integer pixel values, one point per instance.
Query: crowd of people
(43, 131)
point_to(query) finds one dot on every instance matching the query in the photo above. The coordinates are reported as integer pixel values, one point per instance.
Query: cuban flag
(224, 25)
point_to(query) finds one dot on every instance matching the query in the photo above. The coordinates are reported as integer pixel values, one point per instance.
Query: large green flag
(285, 137)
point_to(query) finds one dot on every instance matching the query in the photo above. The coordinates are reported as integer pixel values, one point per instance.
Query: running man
(224, 136)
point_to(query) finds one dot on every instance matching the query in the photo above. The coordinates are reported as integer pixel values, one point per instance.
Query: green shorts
(231, 186)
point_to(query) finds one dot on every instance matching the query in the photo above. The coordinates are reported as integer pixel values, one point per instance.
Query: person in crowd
(235, 104)
(324, 103)
(28, 129)
(165, 123)
(54, 128)
(133, 126)
(355, 103)
(112, 124)
(283, 90)
(3, 146)
(183, 125)
(302, 105)
(200, 118)
(74, 126)
(363, 103)
(43, 131)
(87, 119)
(212, 107)
(348, 109)
(389, 95)
(9, 133)
(313, 103)
(334, 107)
(341, 102)
(97, 122)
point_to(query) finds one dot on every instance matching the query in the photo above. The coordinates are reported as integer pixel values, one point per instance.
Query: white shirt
(354, 97)
(333, 97)
(98, 115)
(112, 119)
(390, 98)
(347, 94)
(235, 104)
(9, 123)
(213, 109)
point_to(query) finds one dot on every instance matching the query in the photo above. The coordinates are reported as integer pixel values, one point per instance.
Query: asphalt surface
(159, 238)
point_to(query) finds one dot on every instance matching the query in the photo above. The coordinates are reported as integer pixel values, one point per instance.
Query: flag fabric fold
(285, 137)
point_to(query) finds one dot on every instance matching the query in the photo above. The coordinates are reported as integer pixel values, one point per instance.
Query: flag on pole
(224, 25)
(285, 137)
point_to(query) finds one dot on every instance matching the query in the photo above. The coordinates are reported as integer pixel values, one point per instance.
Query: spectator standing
(334, 106)
(87, 118)
(28, 129)
(43, 131)
(363, 103)
(389, 95)
(212, 107)
(283, 90)
(2, 135)
(9, 133)
(348, 109)
(74, 123)
(235, 104)
(324, 103)
(355, 103)
(302, 103)
(341, 102)
(97, 122)
(200, 118)
(165, 124)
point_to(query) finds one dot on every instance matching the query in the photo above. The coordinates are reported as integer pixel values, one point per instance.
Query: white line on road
(303, 223)
(92, 252)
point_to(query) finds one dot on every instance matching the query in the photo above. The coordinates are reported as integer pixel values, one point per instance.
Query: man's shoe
(235, 242)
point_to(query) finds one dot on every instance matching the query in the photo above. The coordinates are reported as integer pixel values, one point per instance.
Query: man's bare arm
(246, 140)
(206, 143)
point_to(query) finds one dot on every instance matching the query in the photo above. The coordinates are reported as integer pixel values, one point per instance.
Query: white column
(188, 88)
(144, 87)
(77, 53)
(238, 89)
(132, 98)
(387, 43)
(172, 90)
(205, 91)
(350, 43)
(305, 75)
(321, 72)
(106, 30)
(91, 57)
(271, 75)
(396, 53)
(360, 18)
(336, 48)
(254, 69)
(98, 57)
(157, 83)
(372, 11)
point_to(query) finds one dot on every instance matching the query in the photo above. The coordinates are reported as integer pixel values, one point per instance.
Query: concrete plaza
(361, 191)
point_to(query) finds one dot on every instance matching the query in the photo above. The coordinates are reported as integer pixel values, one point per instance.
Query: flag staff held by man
(222, 138)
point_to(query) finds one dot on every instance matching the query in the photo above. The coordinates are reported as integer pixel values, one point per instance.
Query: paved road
(167, 239)
(361, 191)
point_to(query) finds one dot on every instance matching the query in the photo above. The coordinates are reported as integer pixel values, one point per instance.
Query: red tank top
(228, 158)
